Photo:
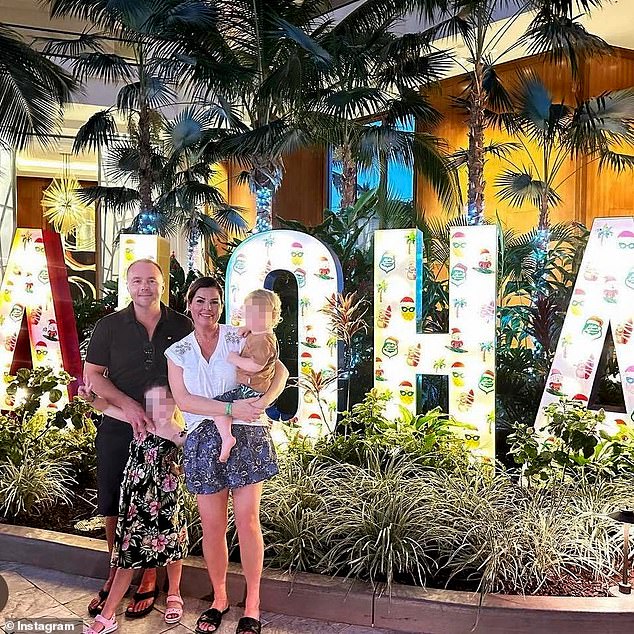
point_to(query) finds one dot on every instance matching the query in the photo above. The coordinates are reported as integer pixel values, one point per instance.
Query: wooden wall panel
(302, 194)
(30, 190)
(608, 193)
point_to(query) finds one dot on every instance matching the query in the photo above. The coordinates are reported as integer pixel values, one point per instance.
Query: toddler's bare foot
(226, 447)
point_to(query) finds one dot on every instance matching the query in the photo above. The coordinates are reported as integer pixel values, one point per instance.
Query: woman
(198, 371)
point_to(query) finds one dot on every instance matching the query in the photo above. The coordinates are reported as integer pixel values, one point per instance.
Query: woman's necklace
(202, 341)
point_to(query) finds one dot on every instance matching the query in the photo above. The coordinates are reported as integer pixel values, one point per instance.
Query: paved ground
(39, 592)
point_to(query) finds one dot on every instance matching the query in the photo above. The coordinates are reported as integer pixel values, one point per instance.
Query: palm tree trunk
(148, 220)
(263, 209)
(475, 157)
(192, 244)
(348, 178)
(543, 236)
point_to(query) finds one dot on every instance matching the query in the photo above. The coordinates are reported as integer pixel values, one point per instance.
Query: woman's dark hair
(204, 282)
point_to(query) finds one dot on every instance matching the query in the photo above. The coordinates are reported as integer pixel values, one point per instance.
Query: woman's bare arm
(243, 410)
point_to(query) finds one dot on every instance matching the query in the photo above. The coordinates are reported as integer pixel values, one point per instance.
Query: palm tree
(554, 29)
(304, 303)
(459, 303)
(183, 197)
(596, 129)
(263, 117)
(156, 37)
(309, 84)
(33, 91)
(377, 75)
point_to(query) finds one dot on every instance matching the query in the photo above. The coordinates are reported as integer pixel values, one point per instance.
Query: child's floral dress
(151, 530)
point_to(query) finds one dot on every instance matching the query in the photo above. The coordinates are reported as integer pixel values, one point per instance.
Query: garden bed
(408, 609)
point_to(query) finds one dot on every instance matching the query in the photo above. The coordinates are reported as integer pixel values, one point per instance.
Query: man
(125, 353)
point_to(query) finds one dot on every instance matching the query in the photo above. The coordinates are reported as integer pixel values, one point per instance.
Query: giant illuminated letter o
(318, 275)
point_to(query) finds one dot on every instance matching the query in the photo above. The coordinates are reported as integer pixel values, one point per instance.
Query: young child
(256, 363)
(151, 529)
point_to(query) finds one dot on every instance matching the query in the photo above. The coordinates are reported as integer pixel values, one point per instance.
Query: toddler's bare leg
(223, 423)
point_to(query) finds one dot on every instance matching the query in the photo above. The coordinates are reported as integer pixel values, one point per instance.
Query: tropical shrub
(572, 442)
(43, 451)
(367, 437)
(401, 521)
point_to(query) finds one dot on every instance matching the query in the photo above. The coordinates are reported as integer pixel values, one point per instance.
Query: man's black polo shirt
(120, 343)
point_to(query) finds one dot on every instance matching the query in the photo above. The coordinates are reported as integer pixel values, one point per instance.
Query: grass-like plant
(34, 484)
(292, 516)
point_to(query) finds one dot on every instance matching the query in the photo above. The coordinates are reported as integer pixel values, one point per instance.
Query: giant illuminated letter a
(466, 354)
(603, 295)
(318, 275)
(35, 282)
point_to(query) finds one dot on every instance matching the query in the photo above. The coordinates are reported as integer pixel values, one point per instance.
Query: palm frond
(498, 97)
(520, 187)
(297, 35)
(231, 218)
(497, 149)
(32, 91)
(118, 199)
(73, 47)
(98, 131)
(616, 161)
(562, 38)
(171, 17)
(355, 103)
(415, 71)
(108, 67)
(601, 121)
(153, 92)
(411, 104)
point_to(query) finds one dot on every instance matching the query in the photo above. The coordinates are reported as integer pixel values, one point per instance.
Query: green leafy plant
(572, 442)
(42, 448)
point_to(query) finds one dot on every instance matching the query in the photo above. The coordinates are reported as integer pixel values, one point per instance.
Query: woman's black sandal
(212, 616)
(247, 625)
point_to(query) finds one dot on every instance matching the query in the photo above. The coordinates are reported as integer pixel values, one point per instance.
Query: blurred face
(145, 284)
(205, 307)
(258, 317)
(159, 403)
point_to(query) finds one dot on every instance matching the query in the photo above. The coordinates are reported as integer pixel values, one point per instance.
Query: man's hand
(136, 416)
(85, 393)
(248, 409)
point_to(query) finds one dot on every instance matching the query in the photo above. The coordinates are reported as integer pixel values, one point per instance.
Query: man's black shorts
(113, 448)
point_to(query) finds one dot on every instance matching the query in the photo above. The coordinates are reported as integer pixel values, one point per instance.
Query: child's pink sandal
(109, 625)
(173, 614)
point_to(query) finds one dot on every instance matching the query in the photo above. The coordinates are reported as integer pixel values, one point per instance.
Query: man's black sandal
(247, 625)
(212, 616)
(142, 596)
(103, 595)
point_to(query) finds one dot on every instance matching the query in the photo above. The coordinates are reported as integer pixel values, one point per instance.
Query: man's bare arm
(102, 386)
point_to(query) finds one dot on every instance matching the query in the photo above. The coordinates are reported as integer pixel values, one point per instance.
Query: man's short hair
(146, 261)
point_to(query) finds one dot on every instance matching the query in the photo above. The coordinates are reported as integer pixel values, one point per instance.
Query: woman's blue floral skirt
(252, 458)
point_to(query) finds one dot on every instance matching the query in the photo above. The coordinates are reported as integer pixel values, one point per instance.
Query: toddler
(256, 363)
